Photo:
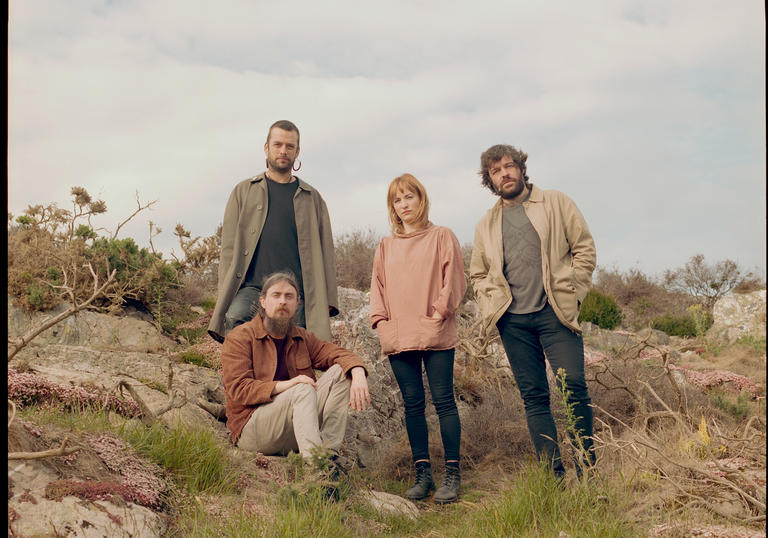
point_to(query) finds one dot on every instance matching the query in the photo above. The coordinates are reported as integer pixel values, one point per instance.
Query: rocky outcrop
(737, 315)
(92, 329)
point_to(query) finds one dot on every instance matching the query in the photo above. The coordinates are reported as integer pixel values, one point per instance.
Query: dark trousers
(526, 339)
(439, 367)
(245, 305)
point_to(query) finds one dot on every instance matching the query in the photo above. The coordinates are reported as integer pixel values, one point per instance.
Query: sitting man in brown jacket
(274, 403)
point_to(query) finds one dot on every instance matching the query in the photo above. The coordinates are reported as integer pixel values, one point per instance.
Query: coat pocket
(387, 331)
(431, 332)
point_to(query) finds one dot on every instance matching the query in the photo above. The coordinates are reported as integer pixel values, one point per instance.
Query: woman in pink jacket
(417, 284)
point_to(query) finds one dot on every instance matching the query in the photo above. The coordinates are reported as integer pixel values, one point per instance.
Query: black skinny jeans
(439, 367)
(526, 338)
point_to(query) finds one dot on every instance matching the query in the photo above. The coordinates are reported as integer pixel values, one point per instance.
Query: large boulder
(92, 329)
(737, 315)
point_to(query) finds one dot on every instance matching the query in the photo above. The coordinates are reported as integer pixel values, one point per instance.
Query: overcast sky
(650, 115)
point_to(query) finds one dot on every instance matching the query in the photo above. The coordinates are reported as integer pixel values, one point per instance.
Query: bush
(675, 325)
(640, 297)
(354, 258)
(600, 309)
(695, 322)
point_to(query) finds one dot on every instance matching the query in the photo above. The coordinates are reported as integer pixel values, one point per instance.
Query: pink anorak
(414, 276)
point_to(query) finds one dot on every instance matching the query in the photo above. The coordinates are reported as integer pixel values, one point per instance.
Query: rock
(92, 329)
(738, 315)
(146, 372)
(386, 502)
(77, 517)
(370, 432)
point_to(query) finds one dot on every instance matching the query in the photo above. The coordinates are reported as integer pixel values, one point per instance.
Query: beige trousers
(301, 418)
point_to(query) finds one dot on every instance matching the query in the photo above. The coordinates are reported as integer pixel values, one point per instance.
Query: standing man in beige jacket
(531, 267)
(276, 222)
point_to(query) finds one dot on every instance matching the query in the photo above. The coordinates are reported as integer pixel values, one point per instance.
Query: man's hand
(359, 397)
(282, 386)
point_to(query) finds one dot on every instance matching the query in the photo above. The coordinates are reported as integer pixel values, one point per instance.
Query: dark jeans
(439, 366)
(526, 339)
(245, 305)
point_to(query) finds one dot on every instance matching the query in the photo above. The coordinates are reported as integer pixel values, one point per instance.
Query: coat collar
(537, 195)
(302, 184)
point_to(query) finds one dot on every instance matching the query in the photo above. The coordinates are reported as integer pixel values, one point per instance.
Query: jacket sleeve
(584, 256)
(329, 256)
(324, 354)
(237, 374)
(228, 231)
(454, 282)
(377, 296)
(479, 265)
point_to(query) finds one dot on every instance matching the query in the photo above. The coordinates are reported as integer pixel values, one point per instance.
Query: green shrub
(694, 323)
(675, 325)
(600, 309)
(145, 275)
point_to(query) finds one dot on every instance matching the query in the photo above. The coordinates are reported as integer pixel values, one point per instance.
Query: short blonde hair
(404, 183)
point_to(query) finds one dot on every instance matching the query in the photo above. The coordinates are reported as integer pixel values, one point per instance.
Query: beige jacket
(244, 219)
(249, 363)
(567, 257)
(414, 276)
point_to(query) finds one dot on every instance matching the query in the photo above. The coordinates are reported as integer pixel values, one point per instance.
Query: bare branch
(140, 209)
(61, 451)
(18, 344)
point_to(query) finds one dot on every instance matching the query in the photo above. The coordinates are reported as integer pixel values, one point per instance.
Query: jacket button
(245, 253)
(238, 275)
(253, 230)
(259, 207)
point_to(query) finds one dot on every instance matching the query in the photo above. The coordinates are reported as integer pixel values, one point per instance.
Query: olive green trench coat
(244, 219)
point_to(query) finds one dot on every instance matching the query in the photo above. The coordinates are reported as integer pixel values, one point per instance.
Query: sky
(650, 115)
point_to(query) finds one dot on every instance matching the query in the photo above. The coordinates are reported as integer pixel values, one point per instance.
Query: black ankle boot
(448, 492)
(424, 483)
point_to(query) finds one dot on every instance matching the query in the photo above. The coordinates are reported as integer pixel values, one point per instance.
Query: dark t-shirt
(281, 374)
(278, 247)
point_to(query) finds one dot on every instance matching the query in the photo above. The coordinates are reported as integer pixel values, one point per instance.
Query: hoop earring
(297, 169)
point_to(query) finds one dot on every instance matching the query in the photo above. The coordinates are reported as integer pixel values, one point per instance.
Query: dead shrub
(354, 258)
(640, 297)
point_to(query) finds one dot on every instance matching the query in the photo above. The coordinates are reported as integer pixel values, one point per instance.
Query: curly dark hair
(495, 153)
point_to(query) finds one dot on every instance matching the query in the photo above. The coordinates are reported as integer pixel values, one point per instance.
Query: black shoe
(448, 492)
(424, 483)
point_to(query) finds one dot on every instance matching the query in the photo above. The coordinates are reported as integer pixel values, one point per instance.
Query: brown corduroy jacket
(249, 363)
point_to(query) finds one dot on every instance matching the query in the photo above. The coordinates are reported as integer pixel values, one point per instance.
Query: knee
(302, 392)
(336, 372)
(414, 403)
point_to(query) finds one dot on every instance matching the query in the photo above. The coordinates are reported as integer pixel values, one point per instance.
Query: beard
(282, 169)
(520, 186)
(278, 326)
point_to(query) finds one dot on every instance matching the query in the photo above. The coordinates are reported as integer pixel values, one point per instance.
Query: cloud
(649, 114)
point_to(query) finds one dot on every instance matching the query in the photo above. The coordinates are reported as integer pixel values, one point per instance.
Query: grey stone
(386, 502)
(737, 315)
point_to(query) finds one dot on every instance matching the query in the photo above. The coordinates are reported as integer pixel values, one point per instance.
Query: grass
(196, 458)
(756, 343)
(535, 505)
(739, 409)
(196, 358)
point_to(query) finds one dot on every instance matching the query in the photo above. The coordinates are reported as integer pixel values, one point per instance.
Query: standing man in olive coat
(276, 222)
